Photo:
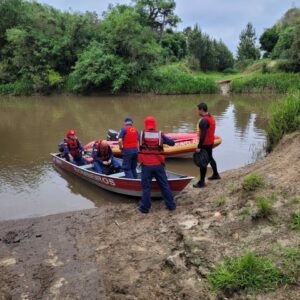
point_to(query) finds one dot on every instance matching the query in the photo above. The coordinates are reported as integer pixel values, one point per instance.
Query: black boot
(214, 177)
(199, 184)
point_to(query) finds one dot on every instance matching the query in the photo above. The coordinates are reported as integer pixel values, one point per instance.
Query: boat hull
(116, 184)
(185, 145)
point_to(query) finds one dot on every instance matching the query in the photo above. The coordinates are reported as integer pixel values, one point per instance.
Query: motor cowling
(112, 135)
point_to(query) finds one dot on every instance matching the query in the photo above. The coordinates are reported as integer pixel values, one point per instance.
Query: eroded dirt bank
(122, 254)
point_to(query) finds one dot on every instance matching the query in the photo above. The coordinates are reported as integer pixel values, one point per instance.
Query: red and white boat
(185, 145)
(117, 182)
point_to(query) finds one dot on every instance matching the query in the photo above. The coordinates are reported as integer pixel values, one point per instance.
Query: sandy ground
(118, 253)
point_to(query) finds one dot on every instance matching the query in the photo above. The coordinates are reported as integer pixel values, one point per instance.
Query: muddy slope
(122, 254)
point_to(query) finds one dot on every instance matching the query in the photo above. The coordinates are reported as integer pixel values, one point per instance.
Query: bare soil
(118, 253)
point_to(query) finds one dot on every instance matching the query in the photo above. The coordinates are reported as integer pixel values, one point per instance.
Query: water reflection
(31, 127)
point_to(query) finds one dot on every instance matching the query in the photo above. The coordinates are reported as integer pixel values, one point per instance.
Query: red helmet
(71, 132)
(150, 123)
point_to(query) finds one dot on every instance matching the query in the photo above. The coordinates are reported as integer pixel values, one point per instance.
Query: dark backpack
(201, 159)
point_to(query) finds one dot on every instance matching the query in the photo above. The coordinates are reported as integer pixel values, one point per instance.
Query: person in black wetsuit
(207, 126)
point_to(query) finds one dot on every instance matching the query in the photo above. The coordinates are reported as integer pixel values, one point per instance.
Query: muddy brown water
(31, 127)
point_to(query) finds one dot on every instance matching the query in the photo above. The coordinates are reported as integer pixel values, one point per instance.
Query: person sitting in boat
(152, 159)
(104, 161)
(73, 150)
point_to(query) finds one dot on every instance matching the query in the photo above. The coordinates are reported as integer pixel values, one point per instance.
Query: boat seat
(89, 166)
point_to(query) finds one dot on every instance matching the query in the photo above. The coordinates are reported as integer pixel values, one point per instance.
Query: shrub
(248, 272)
(285, 119)
(230, 71)
(252, 182)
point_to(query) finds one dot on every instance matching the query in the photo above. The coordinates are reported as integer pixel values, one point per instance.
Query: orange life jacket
(130, 139)
(210, 133)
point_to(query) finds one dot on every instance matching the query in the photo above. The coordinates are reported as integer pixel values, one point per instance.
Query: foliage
(157, 14)
(269, 39)
(252, 181)
(274, 82)
(295, 224)
(174, 45)
(284, 43)
(97, 69)
(230, 71)
(247, 48)
(209, 54)
(285, 119)
(171, 80)
(248, 272)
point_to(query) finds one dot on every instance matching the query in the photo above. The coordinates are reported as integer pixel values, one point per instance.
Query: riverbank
(122, 254)
(177, 78)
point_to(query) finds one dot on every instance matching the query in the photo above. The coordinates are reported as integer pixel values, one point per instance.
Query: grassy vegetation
(248, 272)
(16, 88)
(285, 119)
(295, 223)
(220, 201)
(264, 206)
(252, 182)
(257, 82)
(173, 80)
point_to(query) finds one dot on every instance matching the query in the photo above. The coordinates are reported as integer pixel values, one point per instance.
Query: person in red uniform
(104, 161)
(207, 127)
(152, 159)
(128, 143)
(73, 150)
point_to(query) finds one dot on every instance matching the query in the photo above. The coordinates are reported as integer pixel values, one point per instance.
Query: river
(31, 128)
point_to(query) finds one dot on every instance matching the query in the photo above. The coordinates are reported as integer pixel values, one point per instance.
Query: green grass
(220, 201)
(257, 82)
(248, 272)
(16, 88)
(264, 206)
(252, 182)
(173, 80)
(295, 223)
(285, 119)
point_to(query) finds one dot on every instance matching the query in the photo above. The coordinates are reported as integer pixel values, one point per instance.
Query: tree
(295, 50)
(97, 69)
(123, 35)
(174, 44)
(158, 14)
(269, 39)
(247, 48)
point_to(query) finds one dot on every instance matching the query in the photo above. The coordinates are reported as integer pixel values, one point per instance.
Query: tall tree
(158, 14)
(269, 39)
(247, 48)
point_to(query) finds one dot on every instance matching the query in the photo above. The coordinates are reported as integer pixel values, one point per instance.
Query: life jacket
(210, 133)
(151, 148)
(103, 152)
(130, 139)
(73, 146)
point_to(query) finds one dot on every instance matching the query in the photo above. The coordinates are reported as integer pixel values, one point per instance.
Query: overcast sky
(221, 19)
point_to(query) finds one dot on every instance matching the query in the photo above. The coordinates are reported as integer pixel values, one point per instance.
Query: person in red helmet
(73, 150)
(152, 159)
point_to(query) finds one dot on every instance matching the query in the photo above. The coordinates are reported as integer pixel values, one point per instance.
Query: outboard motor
(112, 135)
(61, 148)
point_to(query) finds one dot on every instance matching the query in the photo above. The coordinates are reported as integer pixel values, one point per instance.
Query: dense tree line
(282, 41)
(44, 49)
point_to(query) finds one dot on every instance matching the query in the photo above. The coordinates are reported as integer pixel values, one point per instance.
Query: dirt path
(122, 254)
